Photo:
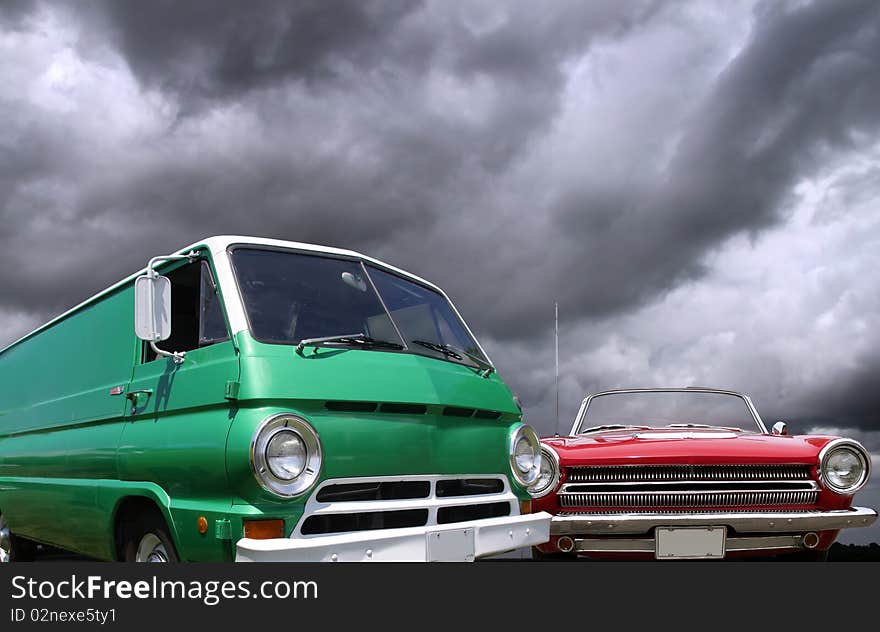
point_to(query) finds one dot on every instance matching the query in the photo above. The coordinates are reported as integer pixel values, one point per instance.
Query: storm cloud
(694, 183)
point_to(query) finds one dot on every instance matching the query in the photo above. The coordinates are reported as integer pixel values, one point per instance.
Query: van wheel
(13, 548)
(147, 540)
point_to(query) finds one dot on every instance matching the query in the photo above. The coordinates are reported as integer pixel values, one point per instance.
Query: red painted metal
(664, 446)
(678, 446)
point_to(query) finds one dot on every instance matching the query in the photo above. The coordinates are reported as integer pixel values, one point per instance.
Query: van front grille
(465, 513)
(365, 521)
(468, 487)
(348, 505)
(373, 490)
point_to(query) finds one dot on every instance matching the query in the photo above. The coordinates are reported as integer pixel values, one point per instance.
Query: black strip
(366, 521)
(469, 487)
(487, 414)
(453, 411)
(384, 490)
(403, 409)
(351, 407)
(447, 515)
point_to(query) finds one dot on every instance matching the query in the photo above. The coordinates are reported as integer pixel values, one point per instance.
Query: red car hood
(686, 446)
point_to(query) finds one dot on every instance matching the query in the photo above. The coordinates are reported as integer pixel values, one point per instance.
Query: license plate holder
(689, 543)
(450, 545)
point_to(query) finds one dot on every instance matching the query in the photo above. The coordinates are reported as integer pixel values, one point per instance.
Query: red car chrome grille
(689, 499)
(649, 473)
(655, 487)
(602, 514)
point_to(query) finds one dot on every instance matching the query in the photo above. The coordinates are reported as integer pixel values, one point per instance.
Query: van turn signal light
(263, 529)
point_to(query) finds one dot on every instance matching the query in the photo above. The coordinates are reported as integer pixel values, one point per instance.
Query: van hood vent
(407, 409)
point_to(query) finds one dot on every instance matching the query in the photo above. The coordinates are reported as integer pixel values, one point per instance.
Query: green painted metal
(71, 451)
(223, 529)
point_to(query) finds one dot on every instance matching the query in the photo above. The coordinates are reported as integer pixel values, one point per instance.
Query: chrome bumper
(772, 543)
(460, 542)
(751, 522)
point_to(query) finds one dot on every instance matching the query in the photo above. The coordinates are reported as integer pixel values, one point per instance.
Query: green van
(261, 400)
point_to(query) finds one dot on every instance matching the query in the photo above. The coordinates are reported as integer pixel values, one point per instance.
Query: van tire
(14, 548)
(146, 539)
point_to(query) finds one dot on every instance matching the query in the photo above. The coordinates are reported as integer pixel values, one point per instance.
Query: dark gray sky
(694, 183)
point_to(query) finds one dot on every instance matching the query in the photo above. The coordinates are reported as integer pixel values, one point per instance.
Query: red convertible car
(693, 473)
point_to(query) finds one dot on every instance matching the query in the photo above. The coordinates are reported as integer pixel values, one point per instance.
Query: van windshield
(290, 297)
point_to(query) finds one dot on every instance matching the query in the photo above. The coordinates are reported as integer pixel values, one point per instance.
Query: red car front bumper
(633, 533)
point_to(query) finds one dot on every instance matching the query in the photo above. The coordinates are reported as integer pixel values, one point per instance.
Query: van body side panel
(177, 440)
(60, 425)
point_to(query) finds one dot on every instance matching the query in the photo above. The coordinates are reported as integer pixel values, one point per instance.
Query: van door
(178, 414)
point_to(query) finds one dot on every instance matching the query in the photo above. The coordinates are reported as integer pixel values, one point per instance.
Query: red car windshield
(661, 409)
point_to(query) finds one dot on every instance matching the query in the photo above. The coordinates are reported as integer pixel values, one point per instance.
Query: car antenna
(556, 340)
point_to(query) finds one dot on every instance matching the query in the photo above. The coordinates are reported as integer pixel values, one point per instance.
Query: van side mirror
(780, 428)
(152, 307)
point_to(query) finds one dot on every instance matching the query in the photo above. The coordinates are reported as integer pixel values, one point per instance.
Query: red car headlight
(844, 466)
(548, 477)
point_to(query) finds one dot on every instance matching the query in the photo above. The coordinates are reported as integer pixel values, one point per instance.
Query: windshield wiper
(614, 427)
(444, 349)
(689, 426)
(486, 369)
(362, 340)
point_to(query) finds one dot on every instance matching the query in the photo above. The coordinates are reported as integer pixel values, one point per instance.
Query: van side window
(212, 325)
(196, 314)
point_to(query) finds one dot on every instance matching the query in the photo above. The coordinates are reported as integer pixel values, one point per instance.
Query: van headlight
(548, 475)
(525, 454)
(286, 455)
(844, 466)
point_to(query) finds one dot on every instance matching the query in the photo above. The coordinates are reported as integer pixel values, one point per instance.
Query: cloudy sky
(694, 183)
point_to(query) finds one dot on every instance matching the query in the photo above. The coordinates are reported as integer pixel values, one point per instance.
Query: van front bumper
(457, 542)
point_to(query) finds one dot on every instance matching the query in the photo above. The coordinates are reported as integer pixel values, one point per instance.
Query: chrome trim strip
(739, 498)
(384, 305)
(647, 545)
(681, 473)
(570, 488)
(745, 522)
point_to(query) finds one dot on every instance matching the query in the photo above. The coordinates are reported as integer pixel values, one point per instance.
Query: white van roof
(218, 245)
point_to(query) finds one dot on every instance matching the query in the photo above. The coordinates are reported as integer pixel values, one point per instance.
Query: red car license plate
(689, 542)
